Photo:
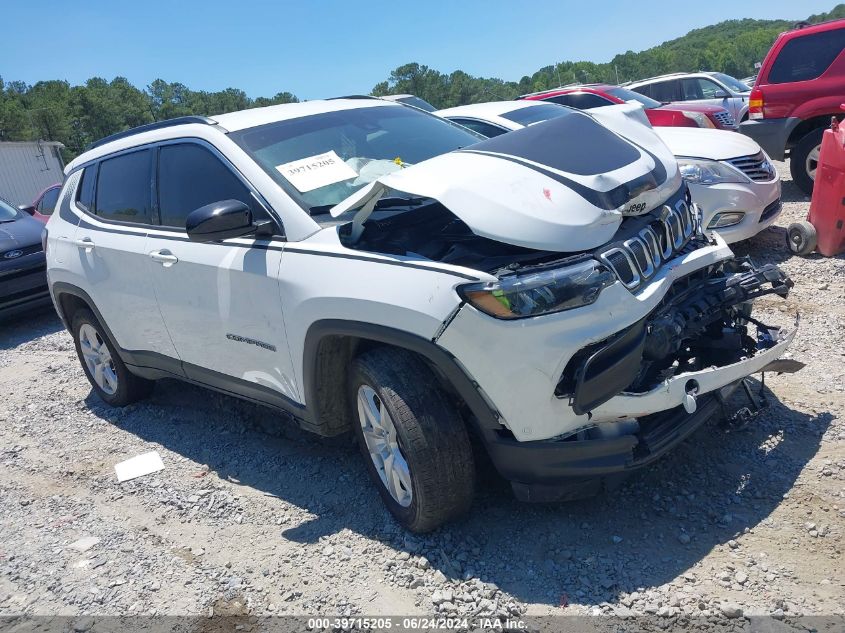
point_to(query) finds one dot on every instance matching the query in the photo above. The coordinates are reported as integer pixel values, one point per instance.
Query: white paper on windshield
(307, 174)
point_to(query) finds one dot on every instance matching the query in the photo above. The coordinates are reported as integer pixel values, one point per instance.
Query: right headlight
(544, 292)
(701, 120)
(700, 171)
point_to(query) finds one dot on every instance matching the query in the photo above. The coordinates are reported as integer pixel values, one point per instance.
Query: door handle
(164, 257)
(86, 243)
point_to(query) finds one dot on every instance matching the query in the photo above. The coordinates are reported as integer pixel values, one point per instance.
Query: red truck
(586, 96)
(801, 84)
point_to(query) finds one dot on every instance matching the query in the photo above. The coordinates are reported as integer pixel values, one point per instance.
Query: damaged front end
(702, 322)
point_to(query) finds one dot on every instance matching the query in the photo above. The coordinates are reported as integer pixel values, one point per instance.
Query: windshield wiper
(384, 203)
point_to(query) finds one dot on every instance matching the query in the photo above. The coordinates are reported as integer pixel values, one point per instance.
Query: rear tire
(110, 378)
(801, 238)
(803, 160)
(425, 474)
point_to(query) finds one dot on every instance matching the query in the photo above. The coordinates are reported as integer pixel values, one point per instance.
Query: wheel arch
(330, 346)
(805, 127)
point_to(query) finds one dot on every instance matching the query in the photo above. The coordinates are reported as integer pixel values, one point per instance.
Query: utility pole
(557, 68)
(617, 73)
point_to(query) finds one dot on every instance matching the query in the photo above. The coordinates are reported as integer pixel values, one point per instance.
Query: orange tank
(827, 208)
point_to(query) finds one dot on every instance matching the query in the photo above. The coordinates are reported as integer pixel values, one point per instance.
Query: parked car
(716, 89)
(554, 298)
(800, 86)
(730, 178)
(588, 96)
(413, 100)
(23, 280)
(42, 207)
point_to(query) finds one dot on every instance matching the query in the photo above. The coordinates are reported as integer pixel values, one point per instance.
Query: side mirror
(27, 209)
(720, 94)
(219, 221)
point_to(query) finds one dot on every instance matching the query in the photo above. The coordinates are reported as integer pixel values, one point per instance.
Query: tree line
(732, 47)
(78, 115)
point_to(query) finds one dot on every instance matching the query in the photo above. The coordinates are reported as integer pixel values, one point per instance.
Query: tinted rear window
(807, 57)
(580, 100)
(123, 188)
(487, 129)
(535, 114)
(48, 201)
(190, 177)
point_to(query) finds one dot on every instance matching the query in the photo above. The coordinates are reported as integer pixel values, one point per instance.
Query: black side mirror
(27, 209)
(219, 221)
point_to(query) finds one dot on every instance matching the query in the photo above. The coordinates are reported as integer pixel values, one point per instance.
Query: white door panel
(114, 266)
(223, 309)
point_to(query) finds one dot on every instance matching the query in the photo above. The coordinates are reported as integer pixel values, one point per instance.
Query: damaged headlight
(532, 294)
(708, 172)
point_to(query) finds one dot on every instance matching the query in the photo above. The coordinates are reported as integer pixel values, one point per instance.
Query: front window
(7, 212)
(536, 114)
(732, 82)
(323, 159)
(630, 95)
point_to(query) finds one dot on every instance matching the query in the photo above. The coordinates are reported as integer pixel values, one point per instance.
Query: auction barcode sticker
(307, 174)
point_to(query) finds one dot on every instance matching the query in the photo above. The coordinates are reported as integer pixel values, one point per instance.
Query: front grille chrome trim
(605, 257)
(648, 271)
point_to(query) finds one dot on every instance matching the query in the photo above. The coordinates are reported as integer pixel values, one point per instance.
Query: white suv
(365, 266)
(711, 88)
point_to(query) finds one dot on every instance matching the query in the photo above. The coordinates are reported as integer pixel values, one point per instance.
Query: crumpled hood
(561, 185)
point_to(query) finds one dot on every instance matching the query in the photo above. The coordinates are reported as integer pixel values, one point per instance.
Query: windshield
(7, 212)
(536, 114)
(732, 82)
(322, 159)
(630, 95)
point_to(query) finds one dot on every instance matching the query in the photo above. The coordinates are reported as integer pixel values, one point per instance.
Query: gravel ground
(254, 517)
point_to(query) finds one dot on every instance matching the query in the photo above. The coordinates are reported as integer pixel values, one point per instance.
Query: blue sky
(318, 49)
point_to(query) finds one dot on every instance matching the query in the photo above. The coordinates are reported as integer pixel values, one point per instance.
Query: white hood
(710, 144)
(561, 185)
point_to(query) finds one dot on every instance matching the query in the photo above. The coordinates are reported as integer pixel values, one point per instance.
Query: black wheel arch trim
(446, 364)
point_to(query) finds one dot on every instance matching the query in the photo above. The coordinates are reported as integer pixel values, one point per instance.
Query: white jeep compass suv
(365, 266)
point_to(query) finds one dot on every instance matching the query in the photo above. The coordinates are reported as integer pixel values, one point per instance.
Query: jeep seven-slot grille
(755, 167)
(636, 260)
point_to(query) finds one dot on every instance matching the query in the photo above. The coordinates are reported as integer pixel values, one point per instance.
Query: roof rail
(179, 120)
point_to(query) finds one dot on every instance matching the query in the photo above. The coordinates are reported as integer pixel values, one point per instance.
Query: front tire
(108, 375)
(804, 160)
(414, 442)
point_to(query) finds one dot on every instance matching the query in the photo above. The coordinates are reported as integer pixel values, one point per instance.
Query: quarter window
(807, 57)
(123, 188)
(190, 177)
(85, 195)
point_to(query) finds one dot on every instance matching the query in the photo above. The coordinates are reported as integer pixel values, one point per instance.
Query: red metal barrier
(825, 226)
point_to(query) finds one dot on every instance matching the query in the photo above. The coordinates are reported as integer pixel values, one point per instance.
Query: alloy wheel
(812, 162)
(98, 359)
(383, 445)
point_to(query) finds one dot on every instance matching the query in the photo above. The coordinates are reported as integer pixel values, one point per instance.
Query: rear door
(116, 196)
(220, 300)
